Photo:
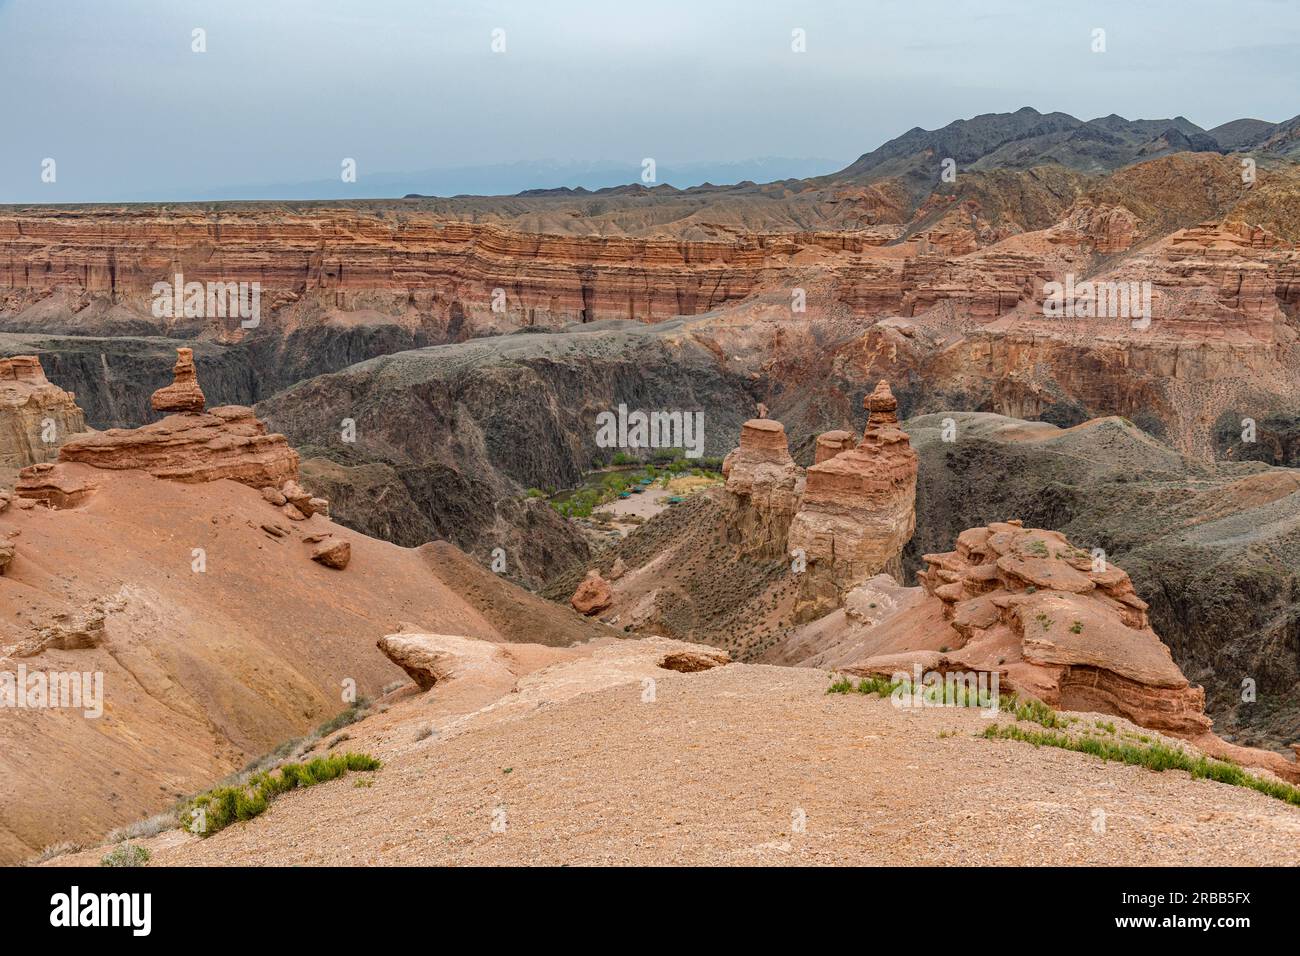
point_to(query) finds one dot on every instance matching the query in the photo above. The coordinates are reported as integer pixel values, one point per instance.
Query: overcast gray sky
(112, 91)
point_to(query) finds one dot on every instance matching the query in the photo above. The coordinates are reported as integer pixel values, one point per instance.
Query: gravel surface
(742, 764)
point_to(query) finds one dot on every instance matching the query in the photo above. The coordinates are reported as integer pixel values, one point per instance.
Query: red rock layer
(355, 259)
(226, 442)
(830, 444)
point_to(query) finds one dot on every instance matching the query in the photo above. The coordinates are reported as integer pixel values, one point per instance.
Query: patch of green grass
(601, 488)
(222, 806)
(126, 854)
(1076, 627)
(1032, 710)
(841, 686)
(1155, 756)
(345, 718)
(956, 694)
(1043, 620)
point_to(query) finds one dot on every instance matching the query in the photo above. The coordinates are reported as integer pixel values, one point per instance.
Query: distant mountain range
(1018, 140)
(1029, 138)
(507, 179)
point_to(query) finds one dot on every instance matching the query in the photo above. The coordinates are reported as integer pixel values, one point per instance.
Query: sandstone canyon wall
(36, 417)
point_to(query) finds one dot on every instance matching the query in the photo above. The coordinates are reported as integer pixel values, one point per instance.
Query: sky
(286, 90)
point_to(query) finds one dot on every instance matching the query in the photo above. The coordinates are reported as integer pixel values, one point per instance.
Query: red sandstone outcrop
(183, 394)
(340, 258)
(432, 659)
(49, 484)
(36, 416)
(195, 446)
(764, 487)
(830, 444)
(858, 510)
(226, 442)
(593, 594)
(1060, 626)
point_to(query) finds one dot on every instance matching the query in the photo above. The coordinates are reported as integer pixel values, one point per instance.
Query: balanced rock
(593, 594)
(763, 489)
(858, 510)
(183, 394)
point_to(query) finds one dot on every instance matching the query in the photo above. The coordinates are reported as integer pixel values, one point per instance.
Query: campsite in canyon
(945, 501)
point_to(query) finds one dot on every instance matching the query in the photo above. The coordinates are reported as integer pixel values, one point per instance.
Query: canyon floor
(735, 765)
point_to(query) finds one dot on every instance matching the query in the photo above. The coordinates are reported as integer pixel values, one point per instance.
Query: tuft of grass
(958, 695)
(1032, 710)
(57, 849)
(127, 854)
(1154, 756)
(345, 718)
(841, 686)
(141, 829)
(220, 807)
(1076, 627)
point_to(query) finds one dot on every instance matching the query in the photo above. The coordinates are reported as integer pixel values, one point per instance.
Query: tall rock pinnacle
(183, 394)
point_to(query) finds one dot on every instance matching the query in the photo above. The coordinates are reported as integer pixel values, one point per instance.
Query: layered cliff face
(36, 417)
(448, 278)
(764, 487)
(858, 510)
(959, 278)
